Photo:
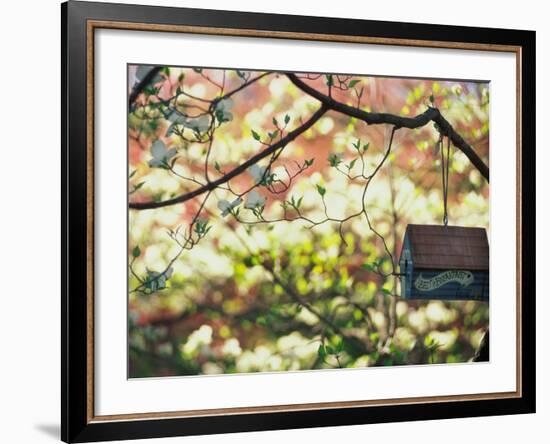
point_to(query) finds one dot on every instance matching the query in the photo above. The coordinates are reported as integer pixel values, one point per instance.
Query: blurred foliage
(253, 295)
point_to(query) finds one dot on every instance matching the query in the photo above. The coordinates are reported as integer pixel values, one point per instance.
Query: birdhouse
(444, 262)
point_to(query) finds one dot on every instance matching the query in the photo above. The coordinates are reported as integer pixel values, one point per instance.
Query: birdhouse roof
(440, 247)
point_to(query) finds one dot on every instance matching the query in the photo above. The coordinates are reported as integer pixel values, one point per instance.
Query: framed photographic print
(276, 221)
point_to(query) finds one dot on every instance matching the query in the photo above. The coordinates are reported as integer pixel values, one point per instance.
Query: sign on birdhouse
(444, 262)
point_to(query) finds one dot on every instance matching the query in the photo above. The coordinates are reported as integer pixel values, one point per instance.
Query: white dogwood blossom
(257, 172)
(254, 200)
(161, 155)
(226, 206)
(222, 110)
(199, 124)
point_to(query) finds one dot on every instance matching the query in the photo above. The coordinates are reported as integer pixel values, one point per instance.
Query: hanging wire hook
(445, 176)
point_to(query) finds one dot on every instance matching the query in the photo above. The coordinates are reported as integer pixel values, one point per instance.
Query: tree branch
(327, 103)
(141, 85)
(236, 171)
(431, 114)
(352, 340)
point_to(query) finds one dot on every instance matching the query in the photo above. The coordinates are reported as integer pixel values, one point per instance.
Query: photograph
(285, 221)
(276, 220)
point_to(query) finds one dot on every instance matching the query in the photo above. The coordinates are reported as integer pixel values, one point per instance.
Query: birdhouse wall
(447, 285)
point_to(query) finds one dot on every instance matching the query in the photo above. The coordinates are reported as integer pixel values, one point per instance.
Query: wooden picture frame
(79, 22)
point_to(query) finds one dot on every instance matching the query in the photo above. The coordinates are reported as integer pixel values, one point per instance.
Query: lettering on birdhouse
(444, 262)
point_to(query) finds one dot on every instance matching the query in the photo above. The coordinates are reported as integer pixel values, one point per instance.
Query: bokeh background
(227, 306)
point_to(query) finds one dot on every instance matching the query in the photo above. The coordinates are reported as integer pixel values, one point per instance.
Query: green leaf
(136, 252)
(321, 351)
(132, 174)
(335, 159)
(255, 135)
(369, 267)
(366, 147)
(353, 83)
(249, 261)
(330, 350)
(309, 162)
(274, 120)
(386, 291)
(321, 190)
(351, 164)
(287, 119)
(217, 166)
(138, 186)
(432, 99)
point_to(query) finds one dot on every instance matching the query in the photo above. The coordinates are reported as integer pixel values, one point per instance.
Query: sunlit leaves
(273, 134)
(322, 352)
(457, 90)
(202, 227)
(136, 187)
(373, 266)
(357, 145)
(335, 159)
(296, 203)
(369, 267)
(334, 349)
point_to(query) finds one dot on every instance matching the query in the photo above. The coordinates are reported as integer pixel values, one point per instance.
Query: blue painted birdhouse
(443, 262)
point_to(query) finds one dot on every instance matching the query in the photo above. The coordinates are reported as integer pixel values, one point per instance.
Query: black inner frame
(74, 423)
